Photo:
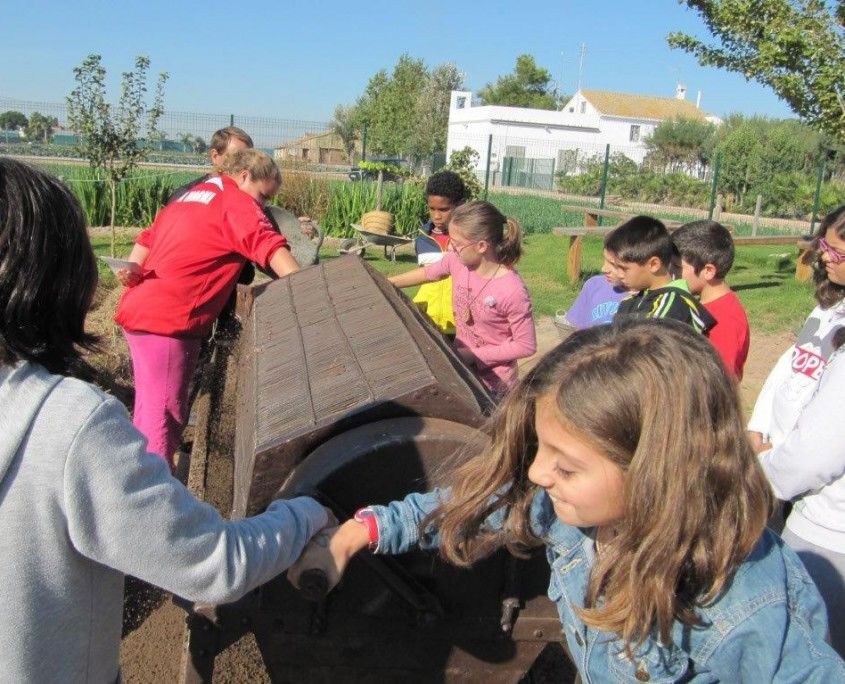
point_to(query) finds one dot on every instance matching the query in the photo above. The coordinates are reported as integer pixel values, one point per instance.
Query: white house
(545, 141)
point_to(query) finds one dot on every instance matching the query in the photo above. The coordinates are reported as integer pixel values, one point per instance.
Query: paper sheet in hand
(116, 264)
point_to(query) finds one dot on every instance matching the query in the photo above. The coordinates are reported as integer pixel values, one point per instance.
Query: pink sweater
(502, 326)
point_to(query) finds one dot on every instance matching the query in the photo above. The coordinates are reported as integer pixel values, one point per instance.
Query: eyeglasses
(836, 256)
(460, 248)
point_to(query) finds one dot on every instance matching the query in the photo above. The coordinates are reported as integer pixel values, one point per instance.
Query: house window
(461, 102)
(584, 107)
(635, 134)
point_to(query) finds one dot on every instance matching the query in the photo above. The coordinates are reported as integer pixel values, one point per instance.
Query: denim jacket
(769, 626)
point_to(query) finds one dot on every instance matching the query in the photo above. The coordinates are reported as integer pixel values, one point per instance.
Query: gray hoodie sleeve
(126, 511)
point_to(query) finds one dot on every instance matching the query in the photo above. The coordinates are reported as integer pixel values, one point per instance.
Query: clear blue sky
(298, 60)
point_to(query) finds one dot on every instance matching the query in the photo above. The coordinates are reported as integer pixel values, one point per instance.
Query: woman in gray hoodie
(81, 502)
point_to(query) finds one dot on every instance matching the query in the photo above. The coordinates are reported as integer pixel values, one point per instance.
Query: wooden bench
(806, 254)
(592, 215)
(803, 266)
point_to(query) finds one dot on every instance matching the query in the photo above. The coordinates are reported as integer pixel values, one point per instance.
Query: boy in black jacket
(642, 254)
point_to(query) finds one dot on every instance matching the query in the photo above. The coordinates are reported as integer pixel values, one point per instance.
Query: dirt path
(152, 643)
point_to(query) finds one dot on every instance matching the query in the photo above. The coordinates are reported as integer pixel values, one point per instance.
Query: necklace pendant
(468, 316)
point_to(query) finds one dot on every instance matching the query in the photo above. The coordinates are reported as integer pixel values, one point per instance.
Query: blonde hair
(483, 221)
(654, 398)
(259, 164)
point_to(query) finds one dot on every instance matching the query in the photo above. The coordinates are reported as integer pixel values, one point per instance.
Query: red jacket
(198, 245)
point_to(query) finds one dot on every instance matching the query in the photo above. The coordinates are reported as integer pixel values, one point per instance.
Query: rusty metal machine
(335, 386)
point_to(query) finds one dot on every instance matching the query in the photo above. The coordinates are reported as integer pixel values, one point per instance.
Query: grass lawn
(763, 276)
(540, 214)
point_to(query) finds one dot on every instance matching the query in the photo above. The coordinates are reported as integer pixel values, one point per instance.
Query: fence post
(552, 177)
(487, 172)
(816, 199)
(604, 178)
(364, 144)
(715, 185)
(755, 224)
(231, 119)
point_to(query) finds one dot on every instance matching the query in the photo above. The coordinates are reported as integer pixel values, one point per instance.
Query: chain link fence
(629, 178)
(633, 179)
(184, 137)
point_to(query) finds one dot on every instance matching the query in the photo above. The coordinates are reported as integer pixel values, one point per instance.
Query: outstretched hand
(329, 551)
(308, 227)
(129, 277)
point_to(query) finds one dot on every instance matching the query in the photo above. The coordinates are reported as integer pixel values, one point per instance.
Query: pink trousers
(163, 368)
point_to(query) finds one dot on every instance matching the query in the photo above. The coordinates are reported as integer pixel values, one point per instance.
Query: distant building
(316, 148)
(538, 141)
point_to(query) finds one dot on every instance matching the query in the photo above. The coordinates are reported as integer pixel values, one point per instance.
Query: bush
(464, 162)
(139, 197)
(304, 194)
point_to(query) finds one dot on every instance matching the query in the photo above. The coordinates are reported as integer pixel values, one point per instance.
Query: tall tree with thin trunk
(345, 126)
(529, 86)
(796, 47)
(113, 139)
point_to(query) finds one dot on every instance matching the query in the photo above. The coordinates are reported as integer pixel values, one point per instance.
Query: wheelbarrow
(367, 238)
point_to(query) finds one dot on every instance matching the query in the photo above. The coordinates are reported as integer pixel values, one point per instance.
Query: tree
(680, 144)
(528, 86)
(431, 111)
(186, 140)
(796, 47)
(13, 121)
(111, 138)
(406, 112)
(41, 127)
(755, 150)
(198, 145)
(387, 106)
(156, 139)
(345, 126)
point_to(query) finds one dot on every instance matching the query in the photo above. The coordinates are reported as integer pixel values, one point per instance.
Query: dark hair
(446, 184)
(640, 239)
(220, 139)
(705, 242)
(828, 294)
(48, 274)
(483, 221)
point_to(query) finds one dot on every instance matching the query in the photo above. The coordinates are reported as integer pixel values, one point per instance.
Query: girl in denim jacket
(623, 451)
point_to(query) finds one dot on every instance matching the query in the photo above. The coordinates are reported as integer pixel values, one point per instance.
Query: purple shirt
(596, 303)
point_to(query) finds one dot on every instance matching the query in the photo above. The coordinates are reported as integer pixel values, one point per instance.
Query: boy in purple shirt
(596, 303)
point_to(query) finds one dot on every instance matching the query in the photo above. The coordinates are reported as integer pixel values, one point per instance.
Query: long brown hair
(483, 221)
(828, 294)
(655, 399)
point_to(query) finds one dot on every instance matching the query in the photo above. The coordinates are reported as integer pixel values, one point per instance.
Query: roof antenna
(581, 63)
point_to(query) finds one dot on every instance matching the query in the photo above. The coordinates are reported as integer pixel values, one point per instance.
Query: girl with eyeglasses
(494, 321)
(797, 429)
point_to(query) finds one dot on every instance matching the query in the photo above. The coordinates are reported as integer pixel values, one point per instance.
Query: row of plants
(139, 196)
(787, 194)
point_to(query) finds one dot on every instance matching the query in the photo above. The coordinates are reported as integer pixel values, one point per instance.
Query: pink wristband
(366, 517)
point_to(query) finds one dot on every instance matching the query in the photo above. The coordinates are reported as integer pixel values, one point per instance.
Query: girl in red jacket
(188, 264)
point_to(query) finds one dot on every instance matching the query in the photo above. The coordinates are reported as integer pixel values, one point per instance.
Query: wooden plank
(596, 212)
(766, 240)
(573, 261)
